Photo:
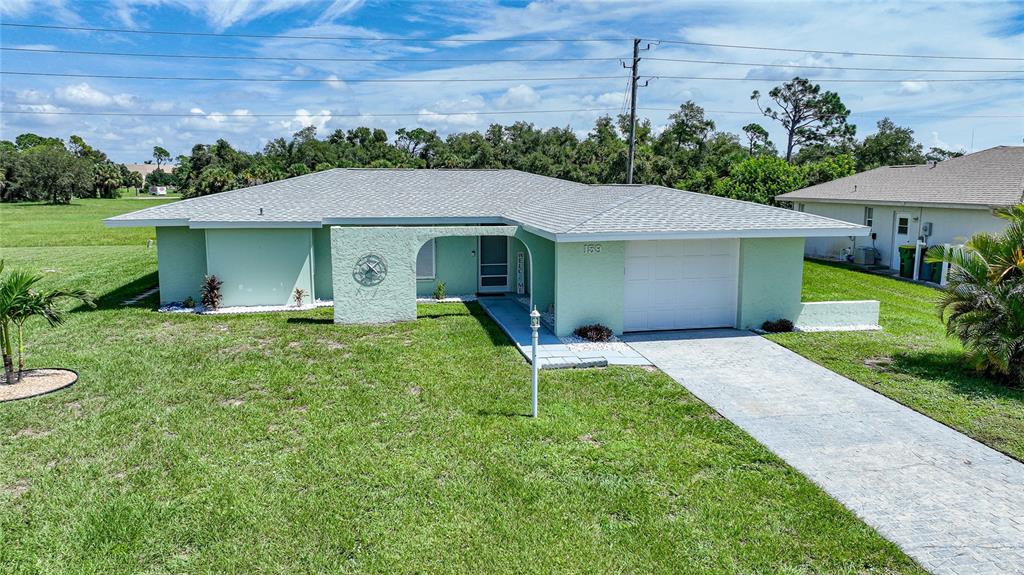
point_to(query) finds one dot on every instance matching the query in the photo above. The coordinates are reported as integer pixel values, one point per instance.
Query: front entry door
(493, 264)
(900, 236)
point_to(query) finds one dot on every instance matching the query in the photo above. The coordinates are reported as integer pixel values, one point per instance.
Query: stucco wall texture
(589, 286)
(837, 315)
(583, 282)
(260, 266)
(181, 262)
(393, 298)
(770, 280)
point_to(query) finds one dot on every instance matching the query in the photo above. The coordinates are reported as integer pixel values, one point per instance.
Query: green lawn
(284, 443)
(912, 360)
(76, 224)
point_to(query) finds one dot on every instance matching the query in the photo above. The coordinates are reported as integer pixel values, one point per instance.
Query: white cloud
(57, 9)
(32, 96)
(519, 96)
(607, 99)
(35, 46)
(913, 87)
(334, 83)
(85, 95)
(42, 113)
(432, 118)
(305, 118)
(237, 121)
(223, 14)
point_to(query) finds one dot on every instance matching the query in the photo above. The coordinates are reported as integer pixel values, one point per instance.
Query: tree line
(689, 153)
(37, 168)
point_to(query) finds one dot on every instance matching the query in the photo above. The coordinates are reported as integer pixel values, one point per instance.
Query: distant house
(937, 203)
(147, 169)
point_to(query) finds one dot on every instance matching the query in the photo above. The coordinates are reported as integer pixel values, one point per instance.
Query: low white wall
(838, 316)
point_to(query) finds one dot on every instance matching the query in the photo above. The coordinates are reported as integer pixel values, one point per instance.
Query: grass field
(284, 443)
(79, 223)
(912, 360)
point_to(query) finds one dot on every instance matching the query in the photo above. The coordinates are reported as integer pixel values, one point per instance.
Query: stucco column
(374, 268)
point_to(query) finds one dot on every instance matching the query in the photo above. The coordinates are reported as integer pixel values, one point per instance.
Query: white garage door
(681, 284)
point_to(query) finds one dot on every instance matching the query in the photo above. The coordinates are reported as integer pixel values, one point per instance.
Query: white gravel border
(452, 299)
(240, 309)
(579, 345)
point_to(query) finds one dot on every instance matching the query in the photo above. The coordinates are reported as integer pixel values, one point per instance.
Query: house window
(799, 207)
(425, 262)
(902, 226)
(869, 216)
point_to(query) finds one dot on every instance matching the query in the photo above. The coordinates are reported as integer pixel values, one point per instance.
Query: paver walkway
(951, 503)
(551, 352)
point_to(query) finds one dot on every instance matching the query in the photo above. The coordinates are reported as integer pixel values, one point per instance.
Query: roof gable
(989, 178)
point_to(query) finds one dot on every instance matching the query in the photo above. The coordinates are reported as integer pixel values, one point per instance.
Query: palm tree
(983, 302)
(18, 303)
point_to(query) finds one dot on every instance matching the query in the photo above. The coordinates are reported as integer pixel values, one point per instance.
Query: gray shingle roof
(549, 205)
(989, 178)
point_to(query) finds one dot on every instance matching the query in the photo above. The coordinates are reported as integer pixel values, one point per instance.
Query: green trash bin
(907, 261)
(928, 269)
(936, 275)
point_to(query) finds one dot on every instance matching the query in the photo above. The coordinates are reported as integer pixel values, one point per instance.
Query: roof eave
(869, 201)
(858, 231)
(145, 223)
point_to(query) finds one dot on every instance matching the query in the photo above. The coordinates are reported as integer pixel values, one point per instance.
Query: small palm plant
(19, 302)
(209, 292)
(983, 303)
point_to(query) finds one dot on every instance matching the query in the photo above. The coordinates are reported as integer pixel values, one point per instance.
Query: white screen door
(493, 264)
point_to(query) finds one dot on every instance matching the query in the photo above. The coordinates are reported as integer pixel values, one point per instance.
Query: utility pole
(634, 79)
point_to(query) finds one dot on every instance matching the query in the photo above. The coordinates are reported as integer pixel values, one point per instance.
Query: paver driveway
(951, 503)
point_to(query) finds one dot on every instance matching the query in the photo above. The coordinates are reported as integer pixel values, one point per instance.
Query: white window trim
(869, 216)
(433, 261)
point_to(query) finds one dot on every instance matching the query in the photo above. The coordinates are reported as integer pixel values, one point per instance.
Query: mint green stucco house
(634, 258)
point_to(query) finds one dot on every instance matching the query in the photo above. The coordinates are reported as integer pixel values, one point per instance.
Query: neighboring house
(147, 169)
(938, 203)
(630, 257)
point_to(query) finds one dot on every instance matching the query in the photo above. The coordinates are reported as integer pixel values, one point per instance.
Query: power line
(842, 80)
(488, 60)
(304, 37)
(875, 113)
(299, 59)
(454, 40)
(837, 52)
(536, 79)
(478, 113)
(853, 68)
(292, 115)
(309, 80)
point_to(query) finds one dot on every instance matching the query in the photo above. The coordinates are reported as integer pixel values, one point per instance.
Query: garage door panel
(638, 268)
(681, 284)
(667, 268)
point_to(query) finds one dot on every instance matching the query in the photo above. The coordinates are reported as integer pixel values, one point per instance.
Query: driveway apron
(951, 503)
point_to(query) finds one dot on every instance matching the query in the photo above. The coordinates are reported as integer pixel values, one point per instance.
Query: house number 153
(591, 248)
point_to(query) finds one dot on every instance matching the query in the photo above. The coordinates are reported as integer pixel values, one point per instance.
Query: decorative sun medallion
(370, 270)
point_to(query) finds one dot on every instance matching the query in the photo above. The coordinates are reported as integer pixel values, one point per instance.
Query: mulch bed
(36, 382)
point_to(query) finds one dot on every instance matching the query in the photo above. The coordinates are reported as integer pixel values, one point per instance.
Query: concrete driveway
(951, 503)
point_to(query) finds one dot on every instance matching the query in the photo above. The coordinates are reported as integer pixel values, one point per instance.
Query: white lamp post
(534, 325)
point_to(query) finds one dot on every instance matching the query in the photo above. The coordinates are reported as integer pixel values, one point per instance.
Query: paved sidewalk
(551, 352)
(951, 503)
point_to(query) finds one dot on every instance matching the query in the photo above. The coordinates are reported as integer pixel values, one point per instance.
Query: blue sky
(942, 114)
